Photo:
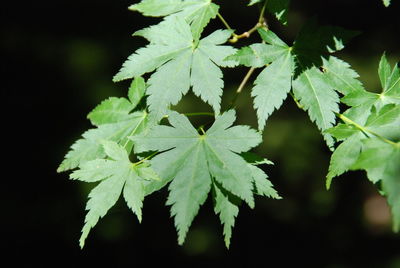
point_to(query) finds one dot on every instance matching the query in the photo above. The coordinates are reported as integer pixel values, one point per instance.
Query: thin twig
(224, 21)
(241, 86)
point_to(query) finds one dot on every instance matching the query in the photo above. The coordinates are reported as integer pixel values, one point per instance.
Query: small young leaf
(116, 175)
(111, 110)
(136, 90)
(89, 147)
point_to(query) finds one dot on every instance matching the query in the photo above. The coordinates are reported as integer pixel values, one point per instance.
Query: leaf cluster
(135, 150)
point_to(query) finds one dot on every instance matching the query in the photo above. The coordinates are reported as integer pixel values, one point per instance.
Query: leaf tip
(328, 182)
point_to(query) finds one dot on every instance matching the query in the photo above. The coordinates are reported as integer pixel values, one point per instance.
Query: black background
(57, 64)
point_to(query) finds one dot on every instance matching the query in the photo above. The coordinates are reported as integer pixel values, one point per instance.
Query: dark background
(58, 58)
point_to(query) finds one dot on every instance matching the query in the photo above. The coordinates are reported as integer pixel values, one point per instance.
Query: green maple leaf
(197, 13)
(136, 91)
(271, 87)
(390, 81)
(382, 163)
(315, 93)
(341, 77)
(297, 68)
(114, 122)
(116, 175)
(343, 158)
(384, 123)
(180, 64)
(227, 206)
(363, 102)
(192, 161)
(89, 147)
(112, 110)
(274, 82)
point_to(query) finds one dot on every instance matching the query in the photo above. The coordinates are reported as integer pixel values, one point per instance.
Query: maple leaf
(180, 64)
(382, 163)
(296, 68)
(383, 123)
(116, 175)
(114, 122)
(192, 161)
(89, 147)
(197, 13)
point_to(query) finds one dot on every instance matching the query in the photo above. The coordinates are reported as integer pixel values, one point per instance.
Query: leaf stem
(242, 85)
(144, 159)
(199, 114)
(261, 18)
(366, 131)
(224, 21)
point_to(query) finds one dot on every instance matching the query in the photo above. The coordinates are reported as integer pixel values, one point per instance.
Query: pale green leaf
(189, 65)
(342, 131)
(317, 96)
(377, 158)
(101, 199)
(116, 175)
(271, 87)
(384, 71)
(137, 90)
(360, 97)
(341, 76)
(89, 147)
(168, 84)
(226, 206)
(189, 190)
(190, 160)
(342, 159)
(385, 122)
(270, 37)
(197, 13)
(390, 81)
(134, 191)
(110, 111)
(382, 163)
(262, 185)
(176, 39)
(157, 8)
(258, 55)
